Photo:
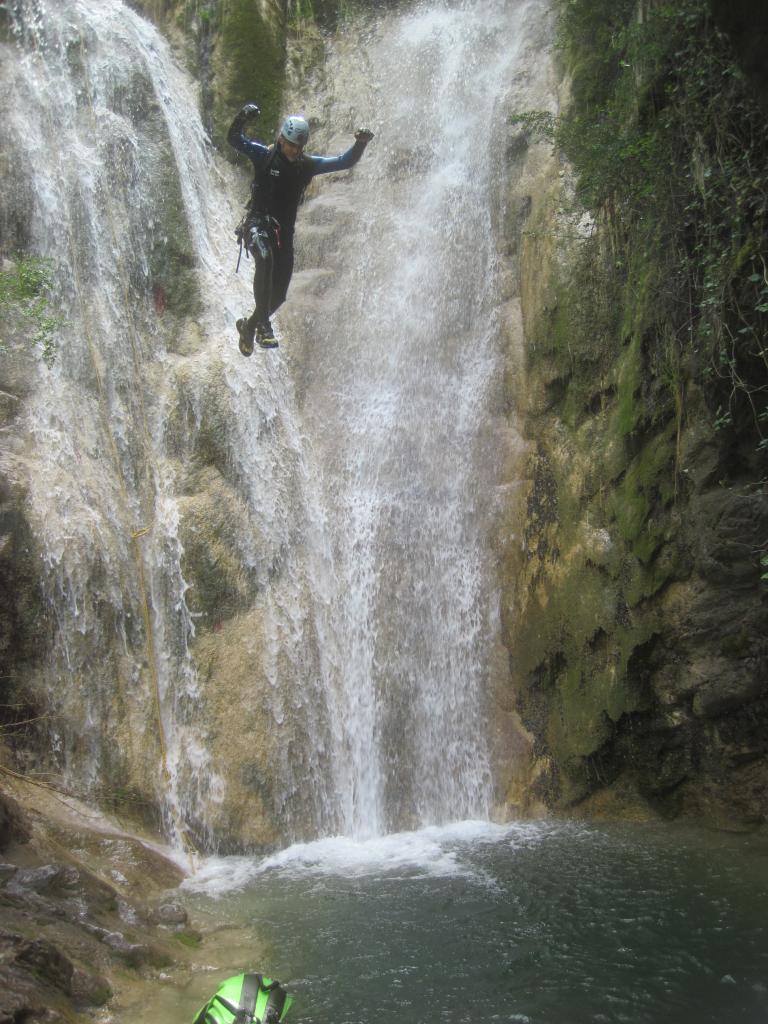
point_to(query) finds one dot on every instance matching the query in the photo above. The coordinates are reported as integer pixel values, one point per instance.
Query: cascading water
(406, 354)
(335, 677)
(117, 185)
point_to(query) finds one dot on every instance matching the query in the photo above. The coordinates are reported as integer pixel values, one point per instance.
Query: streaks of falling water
(92, 98)
(375, 591)
(407, 353)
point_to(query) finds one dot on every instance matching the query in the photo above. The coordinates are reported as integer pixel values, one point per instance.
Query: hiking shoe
(265, 335)
(246, 337)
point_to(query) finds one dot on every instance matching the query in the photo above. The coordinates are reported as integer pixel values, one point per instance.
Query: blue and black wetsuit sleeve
(237, 138)
(326, 164)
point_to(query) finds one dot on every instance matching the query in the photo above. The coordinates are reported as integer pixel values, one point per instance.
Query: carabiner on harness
(239, 235)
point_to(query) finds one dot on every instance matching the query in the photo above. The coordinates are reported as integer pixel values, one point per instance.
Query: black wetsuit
(277, 189)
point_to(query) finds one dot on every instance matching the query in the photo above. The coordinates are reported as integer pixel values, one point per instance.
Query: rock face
(637, 615)
(634, 612)
(82, 912)
(643, 677)
(237, 52)
(143, 488)
(167, 526)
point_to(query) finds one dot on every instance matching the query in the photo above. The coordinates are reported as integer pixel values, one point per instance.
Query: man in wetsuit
(281, 174)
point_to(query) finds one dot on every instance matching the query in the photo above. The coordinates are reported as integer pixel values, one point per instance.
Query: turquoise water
(540, 922)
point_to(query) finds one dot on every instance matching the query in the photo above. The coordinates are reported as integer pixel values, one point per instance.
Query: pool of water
(547, 923)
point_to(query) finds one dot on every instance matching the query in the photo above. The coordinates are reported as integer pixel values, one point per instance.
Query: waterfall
(117, 185)
(405, 376)
(336, 676)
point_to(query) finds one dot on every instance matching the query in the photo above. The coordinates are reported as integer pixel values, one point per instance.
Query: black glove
(248, 112)
(363, 135)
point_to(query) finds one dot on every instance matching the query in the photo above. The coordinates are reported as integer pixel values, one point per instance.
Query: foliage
(670, 152)
(25, 295)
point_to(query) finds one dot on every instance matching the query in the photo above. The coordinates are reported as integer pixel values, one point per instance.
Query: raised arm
(236, 136)
(326, 164)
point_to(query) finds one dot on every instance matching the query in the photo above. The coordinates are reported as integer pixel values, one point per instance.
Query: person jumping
(281, 174)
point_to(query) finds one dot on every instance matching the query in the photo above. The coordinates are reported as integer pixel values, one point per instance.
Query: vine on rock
(668, 143)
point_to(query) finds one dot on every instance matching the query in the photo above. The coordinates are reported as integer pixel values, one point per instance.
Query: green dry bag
(246, 999)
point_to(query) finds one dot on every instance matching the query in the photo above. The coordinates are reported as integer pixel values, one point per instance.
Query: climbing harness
(265, 226)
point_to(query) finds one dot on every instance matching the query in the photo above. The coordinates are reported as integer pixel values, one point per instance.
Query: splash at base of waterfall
(541, 921)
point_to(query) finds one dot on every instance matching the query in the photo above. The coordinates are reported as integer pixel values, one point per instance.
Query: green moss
(670, 153)
(646, 269)
(638, 503)
(575, 655)
(585, 617)
(251, 53)
(736, 645)
(588, 705)
(579, 333)
(649, 335)
(25, 286)
(667, 564)
(629, 386)
(189, 937)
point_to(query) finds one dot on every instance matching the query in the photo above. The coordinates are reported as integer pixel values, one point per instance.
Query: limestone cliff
(236, 51)
(637, 620)
(632, 555)
(86, 687)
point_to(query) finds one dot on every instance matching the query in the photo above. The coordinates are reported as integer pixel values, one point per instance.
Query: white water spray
(357, 526)
(122, 192)
(406, 352)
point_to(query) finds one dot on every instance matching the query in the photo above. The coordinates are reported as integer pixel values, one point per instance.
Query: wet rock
(35, 979)
(43, 958)
(47, 878)
(727, 549)
(61, 891)
(13, 827)
(31, 902)
(130, 914)
(68, 937)
(136, 954)
(7, 871)
(134, 867)
(90, 989)
(672, 684)
(25, 998)
(726, 686)
(16, 996)
(189, 937)
(169, 915)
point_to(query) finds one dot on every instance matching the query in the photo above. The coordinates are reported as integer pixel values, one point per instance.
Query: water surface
(548, 923)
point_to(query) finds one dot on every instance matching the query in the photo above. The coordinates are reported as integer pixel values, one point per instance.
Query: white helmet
(296, 130)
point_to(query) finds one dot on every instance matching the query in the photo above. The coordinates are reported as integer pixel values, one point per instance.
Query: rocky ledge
(85, 910)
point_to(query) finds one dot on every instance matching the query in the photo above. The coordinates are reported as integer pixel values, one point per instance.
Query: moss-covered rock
(636, 617)
(236, 50)
(248, 64)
